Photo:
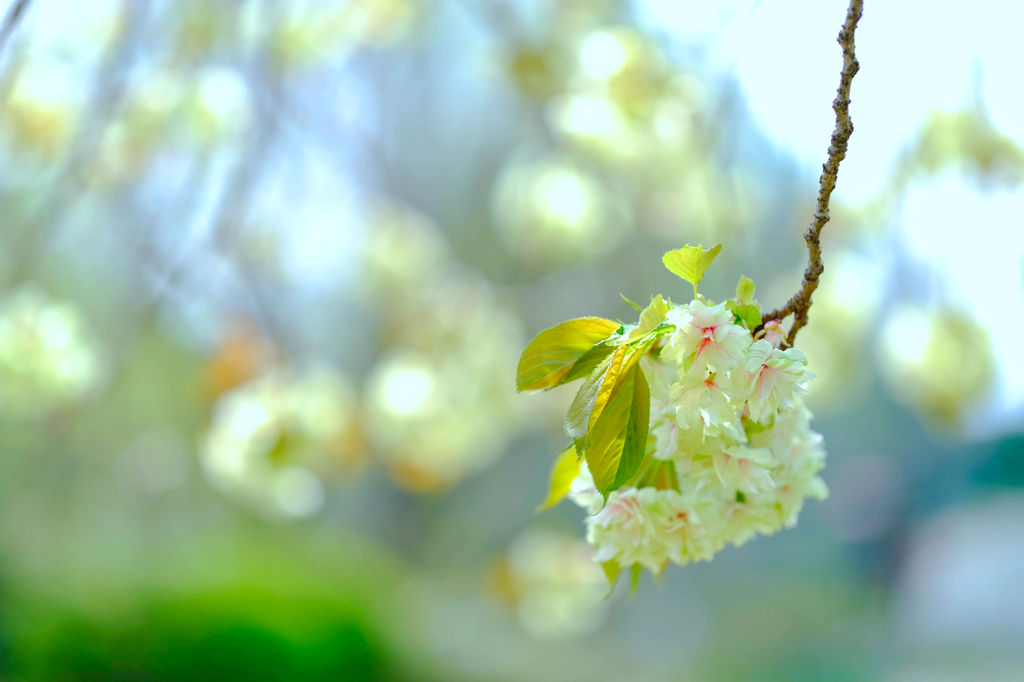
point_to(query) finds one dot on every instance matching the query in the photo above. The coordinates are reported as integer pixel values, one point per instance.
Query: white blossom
(701, 400)
(744, 469)
(623, 530)
(773, 378)
(727, 414)
(705, 337)
(663, 419)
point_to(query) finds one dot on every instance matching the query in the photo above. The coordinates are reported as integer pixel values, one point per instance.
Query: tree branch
(11, 19)
(800, 303)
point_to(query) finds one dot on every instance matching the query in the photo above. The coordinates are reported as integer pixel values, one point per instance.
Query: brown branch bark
(800, 303)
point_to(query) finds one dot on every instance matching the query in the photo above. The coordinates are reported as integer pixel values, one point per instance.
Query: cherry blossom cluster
(728, 422)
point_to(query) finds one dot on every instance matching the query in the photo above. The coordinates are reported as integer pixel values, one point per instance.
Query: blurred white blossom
(48, 358)
(274, 437)
(551, 211)
(939, 361)
(556, 589)
(439, 403)
(42, 109)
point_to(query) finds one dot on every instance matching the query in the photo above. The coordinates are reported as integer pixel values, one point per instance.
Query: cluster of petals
(727, 413)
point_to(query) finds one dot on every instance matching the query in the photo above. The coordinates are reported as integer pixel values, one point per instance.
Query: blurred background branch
(10, 21)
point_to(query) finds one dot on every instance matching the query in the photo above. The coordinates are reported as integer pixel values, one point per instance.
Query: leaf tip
(635, 306)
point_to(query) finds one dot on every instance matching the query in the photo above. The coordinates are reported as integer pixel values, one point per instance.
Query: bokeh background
(266, 269)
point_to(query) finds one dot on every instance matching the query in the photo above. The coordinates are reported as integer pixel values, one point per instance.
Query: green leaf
(751, 315)
(566, 468)
(593, 395)
(611, 571)
(751, 427)
(650, 318)
(745, 309)
(691, 262)
(638, 430)
(638, 308)
(580, 444)
(589, 361)
(748, 314)
(641, 473)
(745, 291)
(618, 439)
(740, 496)
(549, 358)
(635, 571)
(661, 474)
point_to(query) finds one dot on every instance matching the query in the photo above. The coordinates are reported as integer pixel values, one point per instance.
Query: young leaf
(611, 571)
(593, 395)
(660, 475)
(566, 468)
(751, 427)
(580, 444)
(641, 473)
(635, 571)
(638, 308)
(589, 361)
(618, 439)
(637, 432)
(650, 318)
(691, 262)
(747, 314)
(549, 358)
(751, 315)
(745, 291)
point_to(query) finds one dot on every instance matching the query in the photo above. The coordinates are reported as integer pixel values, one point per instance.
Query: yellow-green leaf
(566, 468)
(549, 358)
(618, 438)
(635, 571)
(641, 473)
(638, 430)
(745, 291)
(749, 314)
(589, 361)
(593, 395)
(691, 262)
(661, 474)
(612, 569)
(635, 306)
(651, 317)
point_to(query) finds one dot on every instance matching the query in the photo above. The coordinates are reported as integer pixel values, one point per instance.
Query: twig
(108, 95)
(11, 19)
(800, 303)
